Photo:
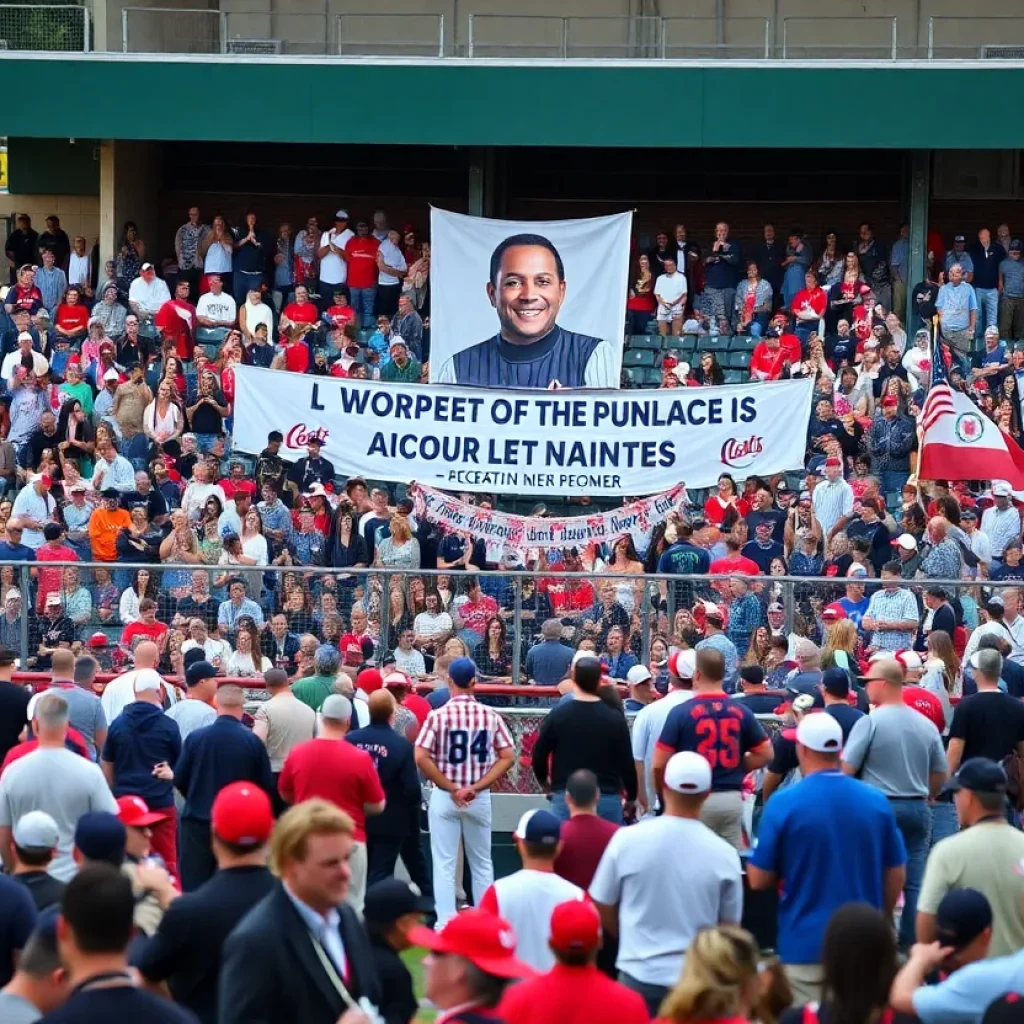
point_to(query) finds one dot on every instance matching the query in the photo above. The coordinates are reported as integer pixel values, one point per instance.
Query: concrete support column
(920, 195)
(486, 194)
(129, 189)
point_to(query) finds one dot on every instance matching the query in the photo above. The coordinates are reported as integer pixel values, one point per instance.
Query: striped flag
(958, 441)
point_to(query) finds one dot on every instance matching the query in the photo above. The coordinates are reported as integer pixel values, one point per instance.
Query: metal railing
(61, 27)
(375, 34)
(716, 38)
(952, 37)
(172, 30)
(794, 48)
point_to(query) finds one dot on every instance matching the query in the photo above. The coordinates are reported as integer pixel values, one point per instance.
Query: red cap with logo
(242, 815)
(369, 680)
(485, 940)
(135, 813)
(575, 927)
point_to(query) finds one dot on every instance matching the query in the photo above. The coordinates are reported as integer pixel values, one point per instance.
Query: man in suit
(301, 953)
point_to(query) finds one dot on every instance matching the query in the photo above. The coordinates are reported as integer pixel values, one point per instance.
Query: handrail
(893, 39)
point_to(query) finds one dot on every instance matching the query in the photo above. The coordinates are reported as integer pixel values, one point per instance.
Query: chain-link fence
(63, 27)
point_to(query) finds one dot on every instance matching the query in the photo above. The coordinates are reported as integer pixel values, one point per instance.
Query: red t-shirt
(75, 742)
(173, 325)
(572, 995)
(231, 487)
(296, 357)
(362, 262)
(418, 705)
(567, 596)
(738, 563)
(301, 313)
(768, 362)
(584, 839)
(351, 647)
(49, 579)
(927, 703)
(715, 509)
(341, 315)
(336, 771)
(150, 632)
(72, 318)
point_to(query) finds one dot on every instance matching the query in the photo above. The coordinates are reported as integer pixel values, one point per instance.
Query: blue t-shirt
(718, 728)
(829, 839)
(684, 559)
(17, 919)
(854, 609)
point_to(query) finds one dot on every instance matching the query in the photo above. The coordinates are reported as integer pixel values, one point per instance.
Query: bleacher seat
(638, 357)
(735, 377)
(713, 344)
(644, 341)
(739, 360)
(742, 343)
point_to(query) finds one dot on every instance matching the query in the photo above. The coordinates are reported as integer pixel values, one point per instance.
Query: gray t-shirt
(85, 713)
(190, 715)
(896, 748)
(64, 785)
(670, 877)
(15, 1010)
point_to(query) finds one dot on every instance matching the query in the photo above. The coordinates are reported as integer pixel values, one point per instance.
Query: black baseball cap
(193, 656)
(388, 900)
(961, 916)
(197, 671)
(752, 674)
(835, 682)
(1007, 1009)
(101, 836)
(979, 775)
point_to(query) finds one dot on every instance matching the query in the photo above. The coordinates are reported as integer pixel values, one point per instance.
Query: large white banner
(551, 443)
(527, 304)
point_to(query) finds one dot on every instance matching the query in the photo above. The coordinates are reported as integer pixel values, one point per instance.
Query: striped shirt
(464, 737)
(892, 606)
(832, 499)
(1000, 525)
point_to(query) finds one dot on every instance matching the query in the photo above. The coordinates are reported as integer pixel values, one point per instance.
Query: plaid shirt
(463, 737)
(744, 618)
(892, 606)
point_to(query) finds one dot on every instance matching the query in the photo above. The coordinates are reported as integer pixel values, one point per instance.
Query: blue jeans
(914, 820)
(244, 280)
(944, 821)
(988, 309)
(892, 480)
(136, 450)
(205, 443)
(362, 301)
(609, 807)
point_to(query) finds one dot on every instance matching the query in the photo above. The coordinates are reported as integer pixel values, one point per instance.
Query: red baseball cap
(889, 401)
(393, 679)
(369, 680)
(242, 815)
(98, 639)
(833, 613)
(485, 940)
(135, 813)
(575, 927)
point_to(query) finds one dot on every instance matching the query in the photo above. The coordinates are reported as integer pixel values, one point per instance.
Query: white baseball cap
(111, 375)
(53, 598)
(147, 679)
(907, 541)
(910, 660)
(36, 830)
(882, 656)
(12, 594)
(583, 653)
(856, 569)
(819, 732)
(683, 664)
(689, 773)
(1001, 489)
(638, 674)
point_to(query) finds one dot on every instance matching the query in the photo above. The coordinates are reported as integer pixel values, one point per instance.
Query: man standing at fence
(463, 748)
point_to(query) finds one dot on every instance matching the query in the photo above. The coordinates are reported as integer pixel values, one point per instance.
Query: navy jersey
(718, 728)
(560, 356)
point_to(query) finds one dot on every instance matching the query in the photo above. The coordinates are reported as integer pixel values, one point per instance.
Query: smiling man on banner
(530, 350)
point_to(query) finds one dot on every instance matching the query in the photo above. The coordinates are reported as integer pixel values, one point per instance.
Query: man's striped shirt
(463, 737)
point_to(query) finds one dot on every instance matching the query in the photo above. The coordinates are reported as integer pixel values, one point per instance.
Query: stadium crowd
(138, 813)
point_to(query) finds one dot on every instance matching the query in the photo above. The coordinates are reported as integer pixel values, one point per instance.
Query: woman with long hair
(217, 251)
(142, 586)
(760, 647)
(829, 265)
(181, 545)
(753, 303)
(494, 655)
(400, 550)
(346, 548)
(398, 616)
(859, 962)
(131, 255)
(726, 496)
(640, 303)
(173, 372)
(719, 980)
(844, 294)
(416, 285)
(658, 663)
(76, 438)
(707, 372)
(942, 672)
(247, 660)
(624, 561)
(163, 419)
(306, 245)
(840, 648)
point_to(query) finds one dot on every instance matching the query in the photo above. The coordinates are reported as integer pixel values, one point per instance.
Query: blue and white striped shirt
(892, 606)
(832, 499)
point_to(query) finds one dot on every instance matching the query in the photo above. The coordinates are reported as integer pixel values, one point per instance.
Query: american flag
(939, 401)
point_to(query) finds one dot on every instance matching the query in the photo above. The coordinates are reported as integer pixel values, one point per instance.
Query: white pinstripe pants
(448, 824)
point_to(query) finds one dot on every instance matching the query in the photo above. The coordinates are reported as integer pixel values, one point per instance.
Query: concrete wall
(129, 190)
(813, 29)
(79, 215)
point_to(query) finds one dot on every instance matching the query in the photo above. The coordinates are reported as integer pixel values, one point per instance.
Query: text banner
(627, 443)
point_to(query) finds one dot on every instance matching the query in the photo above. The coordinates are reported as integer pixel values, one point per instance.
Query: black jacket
(271, 973)
(395, 761)
(400, 1004)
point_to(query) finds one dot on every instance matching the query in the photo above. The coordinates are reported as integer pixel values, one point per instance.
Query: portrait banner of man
(528, 304)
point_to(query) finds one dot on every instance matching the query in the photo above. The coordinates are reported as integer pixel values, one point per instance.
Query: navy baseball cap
(816, 466)
(101, 836)
(539, 827)
(979, 775)
(462, 671)
(961, 916)
(191, 657)
(388, 900)
(835, 682)
(197, 671)
(1008, 1008)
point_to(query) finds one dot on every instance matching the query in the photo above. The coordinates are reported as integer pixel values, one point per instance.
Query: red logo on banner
(299, 436)
(741, 453)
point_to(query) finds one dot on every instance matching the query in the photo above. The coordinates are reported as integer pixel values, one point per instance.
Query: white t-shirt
(219, 258)
(222, 308)
(120, 692)
(670, 877)
(333, 269)
(429, 626)
(647, 729)
(670, 287)
(78, 269)
(258, 314)
(149, 296)
(34, 506)
(393, 258)
(526, 900)
(13, 360)
(217, 651)
(409, 662)
(64, 785)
